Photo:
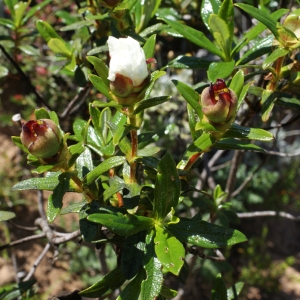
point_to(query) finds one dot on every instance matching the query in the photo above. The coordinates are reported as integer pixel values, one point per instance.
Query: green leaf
(100, 68)
(277, 53)
(101, 86)
(190, 95)
(234, 291)
(220, 70)
(149, 151)
(151, 286)
(209, 7)
(34, 9)
(59, 46)
(188, 62)
(204, 234)
(167, 187)
(79, 24)
(261, 47)
(195, 36)
(55, 199)
(243, 94)
(108, 164)
(233, 144)
(44, 183)
(260, 16)
(7, 23)
(169, 251)
(126, 5)
(167, 293)
(221, 34)
(19, 9)
(46, 31)
(268, 101)
(115, 187)
(106, 284)
(133, 288)
(202, 144)
(149, 47)
(84, 162)
(132, 254)
(240, 132)
(6, 215)
(3, 71)
(226, 12)
(219, 291)
(237, 82)
(10, 4)
(142, 105)
(124, 225)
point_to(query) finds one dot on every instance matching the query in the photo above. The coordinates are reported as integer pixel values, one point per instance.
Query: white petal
(128, 59)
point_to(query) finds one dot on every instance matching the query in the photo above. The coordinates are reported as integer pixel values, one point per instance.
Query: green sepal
(111, 281)
(124, 225)
(204, 234)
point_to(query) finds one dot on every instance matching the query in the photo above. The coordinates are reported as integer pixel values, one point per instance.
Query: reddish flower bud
(218, 102)
(42, 138)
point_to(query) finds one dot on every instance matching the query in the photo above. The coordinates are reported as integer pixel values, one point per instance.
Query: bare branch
(282, 154)
(67, 237)
(22, 227)
(37, 262)
(24, 240)
(268, 213)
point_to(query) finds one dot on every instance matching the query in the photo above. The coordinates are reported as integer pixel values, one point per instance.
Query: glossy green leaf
(101, 86)
(260, 16)
(149, 47)
(106, 165)
(168, 293)
(28, 49)
(154, 76)
(226, 12)
(133, 288)
(6, 215)
(220, 70)
(132, 254)
(169, 251)
(7, 23)
(73, 208)
(241, 132)
(19, 9)
(115, 187)
(234, 291)
(195, 36)
(188, 62)
(126, 5)
(106, 284)
(10, 4)
(219, 291)
(202, 144)
(124, 225)
(268, 101)
(151, 286)
(95, 116)
(221, 35)
(104, 118)
(59, 47)
(100, 68)
(167, 187)
(190, 95)
(204, 234)
(148, 151)
(209, 7)
(243, 94)
(43, 183)
(101, 104)
(237, 82)
(34, 9)
(263, 46)
(55, 202)
(79, 24)
(233, 144)
(46, 31)
(151, 102)
(256, 30)
(277, 53)
(41, 113)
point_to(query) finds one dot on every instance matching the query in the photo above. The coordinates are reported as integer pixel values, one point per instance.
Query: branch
(67, 237)
(37, 262)
(24, 240)
(282, 154)
(195, 251)
(268, 213)
(39, 98)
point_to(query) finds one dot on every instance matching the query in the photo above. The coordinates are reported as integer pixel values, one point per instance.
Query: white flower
(128, 59)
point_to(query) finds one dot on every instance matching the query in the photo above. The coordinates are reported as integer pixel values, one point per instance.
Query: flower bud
(41, 137)
(128, 71)
(218, 102)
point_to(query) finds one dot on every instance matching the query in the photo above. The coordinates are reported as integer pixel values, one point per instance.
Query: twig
(22, 227)
(23, 240)
(67, 237)
(41, 204)
(237, 158)
(37, 262)
(282, 154)
(195, 251)
(80, 98)
(268, 213)
(39, 98)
